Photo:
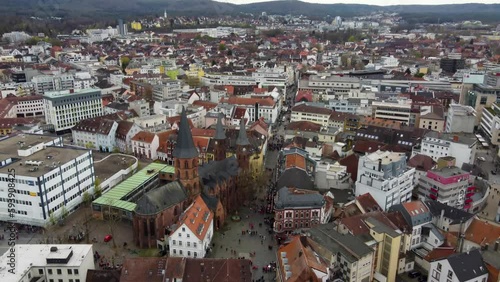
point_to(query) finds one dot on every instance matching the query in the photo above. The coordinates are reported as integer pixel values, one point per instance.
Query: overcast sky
(378, 2)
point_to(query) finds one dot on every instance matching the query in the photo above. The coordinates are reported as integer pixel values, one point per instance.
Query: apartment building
(397, 110)
(223, 79)
(29, 106)
(44, 83)
(386, 177)
(194, 231)
(437, 145)
(460, 118)
(317, 115)
(64, 109)
(351, 257)
(141, 107)
(145, 145)
(448, 185)
(49, 179)
(263, 107)
(459, 267)
(417, 216)
(95, 133)
(38, 262)
(166, 90)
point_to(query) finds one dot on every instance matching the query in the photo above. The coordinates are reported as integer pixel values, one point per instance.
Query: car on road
(414, 274)
(481, 159)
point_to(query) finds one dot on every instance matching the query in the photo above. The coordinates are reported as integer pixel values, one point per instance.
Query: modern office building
(448, 185)
(460, 118)
(166, 90)
(48, 263)
(397, 110)
(490, 124)
(386, 177)
(64, 109)
(44, 83)
(437, 145)
(48, 177)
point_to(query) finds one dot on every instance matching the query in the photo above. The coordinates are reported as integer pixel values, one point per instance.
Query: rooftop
(116, 196)
(35, 255)
(67, 93)
(292, 197)
(41, 161)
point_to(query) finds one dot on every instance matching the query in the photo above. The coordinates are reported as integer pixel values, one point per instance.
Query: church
(215, 182)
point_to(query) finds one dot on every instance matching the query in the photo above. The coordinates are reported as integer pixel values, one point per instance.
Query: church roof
(242, 136)
(184, 148)
(220, 134)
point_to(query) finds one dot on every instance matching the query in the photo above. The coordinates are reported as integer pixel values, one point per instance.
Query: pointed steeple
(219, 129)
(242, 136)
(184, 148)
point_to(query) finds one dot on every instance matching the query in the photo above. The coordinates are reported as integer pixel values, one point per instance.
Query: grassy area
(148, 253)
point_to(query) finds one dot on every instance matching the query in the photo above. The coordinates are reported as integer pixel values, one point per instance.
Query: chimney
(496, 245)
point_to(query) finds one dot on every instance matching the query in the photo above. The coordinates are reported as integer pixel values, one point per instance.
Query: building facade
(44, 83)
(490, 124)
(49, 263)
(298, 208)
(460, 118)
(97, 133)
(386, 177)
(64, 109)
(49, 179)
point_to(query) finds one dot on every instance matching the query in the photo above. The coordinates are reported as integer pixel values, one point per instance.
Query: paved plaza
(231, 239)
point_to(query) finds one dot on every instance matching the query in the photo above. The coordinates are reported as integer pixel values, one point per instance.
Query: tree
(97, 188)
(222, 47)
(352, 38)
(87, 199)
(89, 145)
(124, 62)
(112, 218)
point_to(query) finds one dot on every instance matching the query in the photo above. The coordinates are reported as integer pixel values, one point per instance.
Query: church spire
(242, 136)
(219, 129)
(184, 147)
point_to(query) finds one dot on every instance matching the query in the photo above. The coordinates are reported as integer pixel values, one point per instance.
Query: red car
(107, 238)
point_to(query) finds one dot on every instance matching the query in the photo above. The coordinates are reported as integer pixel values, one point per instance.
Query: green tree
(89, 145)
(116, 150)
(124, 60)
(97, 188)
(222, 47)
(352, 38)
(52, 219)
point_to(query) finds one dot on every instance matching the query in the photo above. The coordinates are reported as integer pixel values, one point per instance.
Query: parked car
(107, 238)
(414, 274)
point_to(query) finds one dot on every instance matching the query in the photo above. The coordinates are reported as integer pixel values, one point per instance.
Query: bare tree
(87, 199)
(112, 218)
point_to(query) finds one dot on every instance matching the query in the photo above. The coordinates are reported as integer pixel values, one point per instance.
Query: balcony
(472, 188)
(433, 197)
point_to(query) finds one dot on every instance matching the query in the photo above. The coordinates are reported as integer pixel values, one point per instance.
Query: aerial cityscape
(235, 141)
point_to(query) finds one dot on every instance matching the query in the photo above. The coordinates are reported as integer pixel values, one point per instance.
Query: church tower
(220, 140)
(186, 158)
(243, 147)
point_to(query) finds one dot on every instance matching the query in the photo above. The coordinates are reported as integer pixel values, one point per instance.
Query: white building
(490, 124)
(386, 177)
(436, 145)
(125, 131)
(48, 178)
(459, 267)
(194, 232)
(332, 176)
(167, 90)
(222, 79)
(256, 107)
(317, 115)
(398, 110)
(48, 263)
(64, 109)
(95, 133)
(29, 106)
(141, 107)
(152, 123)
(145, 145)
(460, 118)
(326, 82)
(44, 83)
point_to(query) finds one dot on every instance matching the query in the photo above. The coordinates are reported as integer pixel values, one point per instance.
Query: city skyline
(376, 2)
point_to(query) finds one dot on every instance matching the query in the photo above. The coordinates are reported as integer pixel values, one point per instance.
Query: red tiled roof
(205, 104)
(239, 113)
(267, 102)
(144, 136)
(482, 232)
(197, 218)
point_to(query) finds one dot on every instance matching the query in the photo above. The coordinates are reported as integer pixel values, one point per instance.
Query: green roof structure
(117, 197)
